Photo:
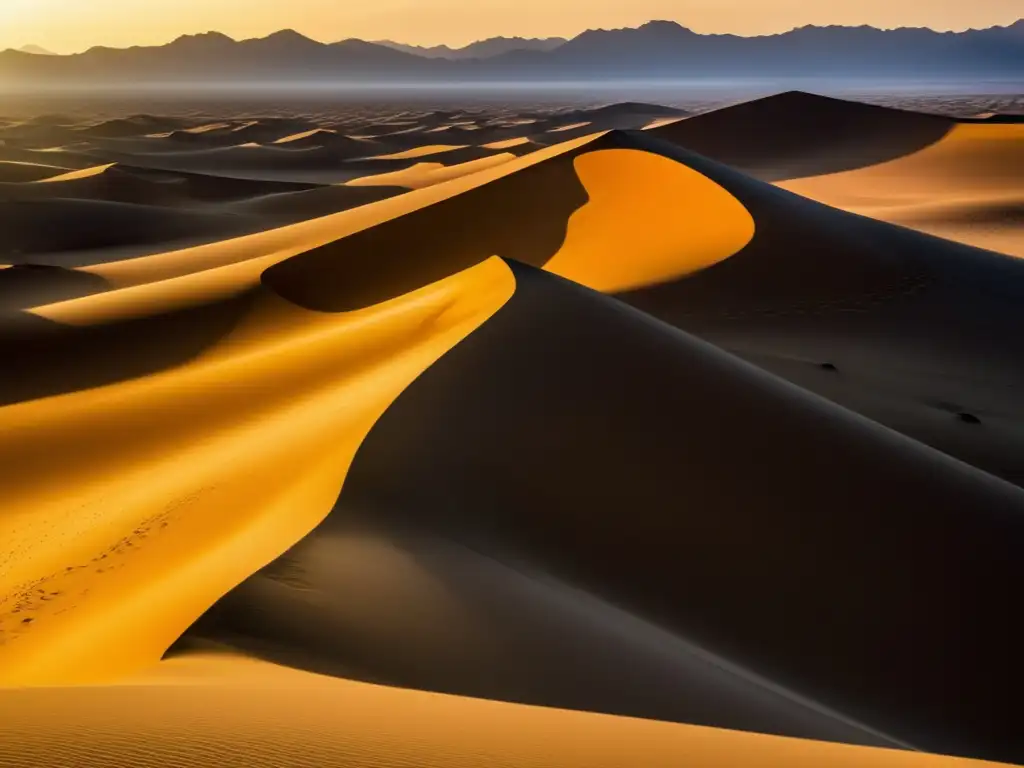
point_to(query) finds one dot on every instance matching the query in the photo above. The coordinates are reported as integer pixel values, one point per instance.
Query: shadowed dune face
(88, 228)
(30, 285)
(795, 134)
(484, 628)
(736, 486)
(128, 184)
(571, 211)
(818, 286)
(426, 174)
(508, 219)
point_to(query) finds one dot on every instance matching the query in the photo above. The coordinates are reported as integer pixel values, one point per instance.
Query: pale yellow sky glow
(73, 25)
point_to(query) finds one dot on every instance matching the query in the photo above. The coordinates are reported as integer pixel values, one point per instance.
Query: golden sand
(683, 223)
(157, 513)
(966, 187)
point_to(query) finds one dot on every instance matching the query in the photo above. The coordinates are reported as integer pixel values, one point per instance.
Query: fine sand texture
(511, 435)
(236, 713)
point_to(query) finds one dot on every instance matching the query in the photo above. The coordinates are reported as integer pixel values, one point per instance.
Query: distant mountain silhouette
(482, 49)
(657, 50)
(666, 49)
(38, 50)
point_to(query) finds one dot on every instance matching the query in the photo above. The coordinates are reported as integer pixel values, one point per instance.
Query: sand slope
(818, 287)
(796, 134)
(228, 712)
(94, 590)
(966, 187)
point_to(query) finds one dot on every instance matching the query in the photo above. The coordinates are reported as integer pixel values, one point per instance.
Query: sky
(67, 26)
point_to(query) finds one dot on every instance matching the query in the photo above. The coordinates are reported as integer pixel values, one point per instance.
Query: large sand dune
(795, 134)
(458, 437)
(799, 477)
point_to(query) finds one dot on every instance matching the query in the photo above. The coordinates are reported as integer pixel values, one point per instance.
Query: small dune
(13, 172)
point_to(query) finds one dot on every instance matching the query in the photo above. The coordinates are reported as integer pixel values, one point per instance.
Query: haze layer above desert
(451, 432)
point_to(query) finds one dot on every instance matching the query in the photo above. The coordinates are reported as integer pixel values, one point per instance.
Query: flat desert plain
(595, 436)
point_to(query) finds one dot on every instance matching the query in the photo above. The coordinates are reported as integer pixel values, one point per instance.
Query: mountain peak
(203, 38)
(36, 50)
(662, 25)
(289, 36)
(660, 29)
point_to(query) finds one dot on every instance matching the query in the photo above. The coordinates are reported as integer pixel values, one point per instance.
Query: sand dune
(428, 150)
(427, 174)
(797, 134)
(509, 143)
(866, 303)
(319, 137)
(965, 187)
(20, 172)
(889, 278)
(29, 285)
(137, 125)
(284, 207)
(92, 226)
(63, 158)
(511, 436)
(114, 182)
(249, 161)
(106, 590)
(535, 476)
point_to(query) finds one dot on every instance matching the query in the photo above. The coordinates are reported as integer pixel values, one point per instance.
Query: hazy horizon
(69, 26)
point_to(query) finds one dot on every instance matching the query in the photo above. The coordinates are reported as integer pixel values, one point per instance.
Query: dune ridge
(66, 617)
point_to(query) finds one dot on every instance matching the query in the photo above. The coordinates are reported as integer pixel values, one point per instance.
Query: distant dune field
(609, 436)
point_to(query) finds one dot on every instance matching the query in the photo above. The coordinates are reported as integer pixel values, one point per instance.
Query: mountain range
(656, 50)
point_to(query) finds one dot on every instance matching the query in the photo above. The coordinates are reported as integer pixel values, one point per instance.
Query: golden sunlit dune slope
(155, 515)
(12, 171)
(611, 427)
(234, 713)
(967, 187)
